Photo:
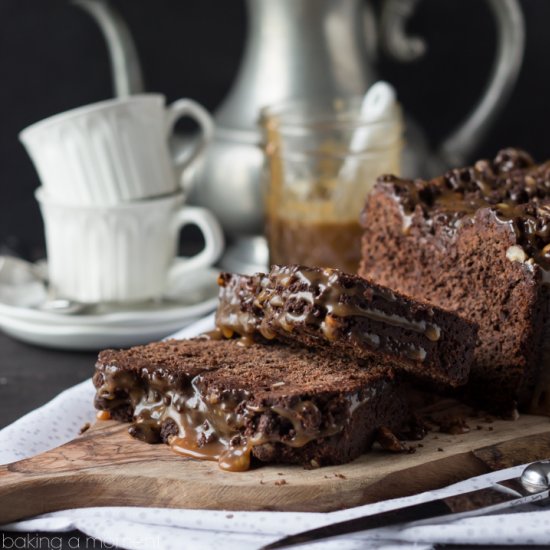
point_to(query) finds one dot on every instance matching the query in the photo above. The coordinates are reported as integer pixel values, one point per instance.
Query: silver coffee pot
(313, 49)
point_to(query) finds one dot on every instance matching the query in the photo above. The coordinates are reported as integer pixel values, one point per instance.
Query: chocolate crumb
(453, 425)
(416, 429)
(341, 476)
(280, 474)
(389, 442)
(440, 449)
(84, 428)
(478, 427)
(281, 482)
(490, 428)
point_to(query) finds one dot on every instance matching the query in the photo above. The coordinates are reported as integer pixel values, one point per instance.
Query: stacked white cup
(112, 201)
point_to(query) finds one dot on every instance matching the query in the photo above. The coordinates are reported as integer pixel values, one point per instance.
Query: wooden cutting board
(106, 467)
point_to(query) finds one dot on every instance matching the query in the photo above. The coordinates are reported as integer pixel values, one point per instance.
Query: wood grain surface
(106, 467)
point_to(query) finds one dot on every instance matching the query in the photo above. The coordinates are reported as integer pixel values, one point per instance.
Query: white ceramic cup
(114, 151)
(125, 252)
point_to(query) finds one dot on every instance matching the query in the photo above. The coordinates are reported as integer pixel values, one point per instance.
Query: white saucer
(83, 338)
(112, 327)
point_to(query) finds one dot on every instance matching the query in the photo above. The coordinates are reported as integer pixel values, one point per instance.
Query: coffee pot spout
(125, 66)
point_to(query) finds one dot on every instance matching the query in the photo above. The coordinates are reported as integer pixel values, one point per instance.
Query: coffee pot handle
(457, 149)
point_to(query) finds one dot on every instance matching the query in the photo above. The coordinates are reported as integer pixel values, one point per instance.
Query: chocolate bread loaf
(329, 309)
(475, 241)
(222, 400)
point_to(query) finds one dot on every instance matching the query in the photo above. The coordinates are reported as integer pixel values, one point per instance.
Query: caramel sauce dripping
(219, 333)
(433, 333)
(235, 456)
(329, 293)
(229, 458)
(267, 302)
(103, 415)
(209, 426)
(295, 415)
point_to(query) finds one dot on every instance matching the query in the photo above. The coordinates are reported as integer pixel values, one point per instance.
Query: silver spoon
(65, 306)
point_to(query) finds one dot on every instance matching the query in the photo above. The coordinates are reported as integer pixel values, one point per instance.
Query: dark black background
(53, 57)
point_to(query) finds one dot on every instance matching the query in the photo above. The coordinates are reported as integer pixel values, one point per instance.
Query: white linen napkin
(166, 529)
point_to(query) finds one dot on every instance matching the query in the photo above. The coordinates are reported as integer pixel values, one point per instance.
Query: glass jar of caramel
(322, 159)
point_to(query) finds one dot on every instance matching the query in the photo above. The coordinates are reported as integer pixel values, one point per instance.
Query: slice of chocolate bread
(222, 400)
(475, 241)
(329, 309)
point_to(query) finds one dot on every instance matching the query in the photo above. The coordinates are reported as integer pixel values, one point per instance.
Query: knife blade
(533, 486)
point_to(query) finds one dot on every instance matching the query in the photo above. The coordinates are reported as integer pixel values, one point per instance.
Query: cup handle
(188, 157)
(213, 241)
